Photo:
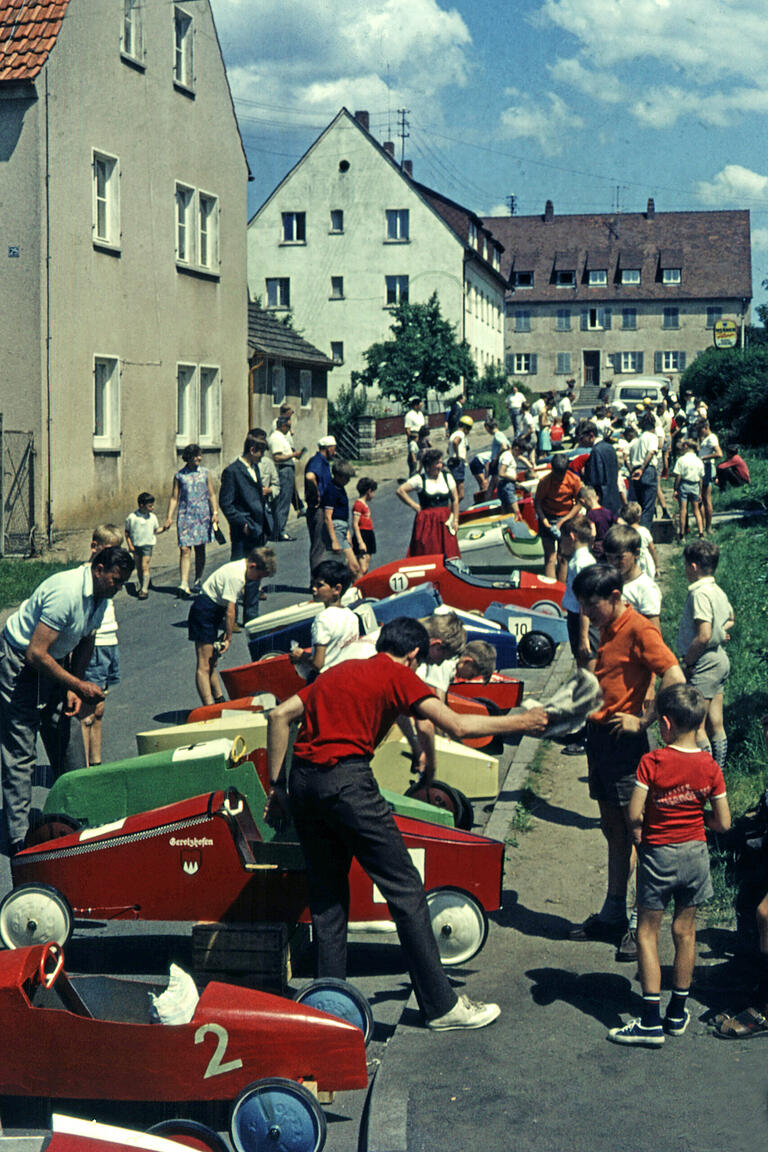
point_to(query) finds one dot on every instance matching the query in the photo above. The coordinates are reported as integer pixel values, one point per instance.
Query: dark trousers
(644, 492)
(339, 814)
(315, 524)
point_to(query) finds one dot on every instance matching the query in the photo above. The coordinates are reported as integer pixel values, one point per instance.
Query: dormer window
(597, 278)
(523, 279)
(472, 235)
(671, 275)
(630, 275)
(564, 278)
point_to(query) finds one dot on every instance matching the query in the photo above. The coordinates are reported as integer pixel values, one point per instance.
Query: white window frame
(630, 276)
(522, 363)
(396, 290)
(305, 387)
(209, 406)
(594, 325)
(713, 315)
(671, 275)
(337, 231)
(282, 292)
(670, 361)
(525, 282)
(132, 36)
(337, 288)
(184, 210)
(472, 234)
(337, 351)
(186, 403)
(183, 48)
(293, 227)
(398, 225)
(629, 362)
(106, 437)
(597, 278)
(106, 199)
(207, 231)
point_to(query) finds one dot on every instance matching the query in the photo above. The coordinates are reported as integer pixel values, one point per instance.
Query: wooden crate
(264, 954)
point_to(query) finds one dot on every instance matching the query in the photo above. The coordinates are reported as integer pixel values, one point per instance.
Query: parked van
(635, 389)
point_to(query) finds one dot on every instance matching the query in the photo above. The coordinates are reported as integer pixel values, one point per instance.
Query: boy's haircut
(107, 536)
(588, 491)
(343, 469)
(430, 457)
(265, 558)
(580, 528)
(598, 581)
(483, 656)
(622, 538)
(257, 443)
(631, 512)
(448, 629)
(684, 705)
(703, 553)
(688, 446)
(144, 498)
(401, 635)
(113, 557)
(366, 484)
(586, 428)
(333, 572)
(189, 453)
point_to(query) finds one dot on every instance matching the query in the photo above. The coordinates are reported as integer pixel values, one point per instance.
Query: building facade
(123, 304)
(349, 234)
(600, 298)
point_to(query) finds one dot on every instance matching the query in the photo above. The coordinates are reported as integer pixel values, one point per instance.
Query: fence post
(2, 488)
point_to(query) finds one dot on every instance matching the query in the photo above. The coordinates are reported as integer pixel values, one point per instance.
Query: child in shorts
(104, 666)
(141, 527)
(601, 517)
(689, 473)
(668, 819)
(333, 628)
(364, 537)
(338, 538)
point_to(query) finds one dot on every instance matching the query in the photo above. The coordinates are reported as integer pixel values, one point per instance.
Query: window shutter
(606, 318)
(681, 360)
(584, 319)
(657, 362)
(614, 359)
(639, 361)
(534, 359)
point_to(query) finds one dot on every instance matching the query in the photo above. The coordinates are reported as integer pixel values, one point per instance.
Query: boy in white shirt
(141, 527)
(621, 547)
(688, 473)
(334, 628)
(649, 560)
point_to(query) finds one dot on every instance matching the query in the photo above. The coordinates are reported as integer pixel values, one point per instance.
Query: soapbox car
(204, 860)
(71, 1134)
(460, 588)
(92, 1038)
(486, 545)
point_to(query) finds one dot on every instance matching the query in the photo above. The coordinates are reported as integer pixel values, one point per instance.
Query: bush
(344, 411)
(734, 384)
(491, 391)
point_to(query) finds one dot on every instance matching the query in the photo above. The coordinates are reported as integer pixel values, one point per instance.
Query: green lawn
(20, 577)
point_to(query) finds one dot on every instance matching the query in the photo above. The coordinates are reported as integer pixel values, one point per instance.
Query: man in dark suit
(241, 499)
(601, 470)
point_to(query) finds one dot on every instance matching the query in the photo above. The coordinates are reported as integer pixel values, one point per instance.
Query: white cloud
(548, 120)
(592, 82)
(733, 184)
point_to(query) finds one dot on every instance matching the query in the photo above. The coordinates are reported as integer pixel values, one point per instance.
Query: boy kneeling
(667, 816)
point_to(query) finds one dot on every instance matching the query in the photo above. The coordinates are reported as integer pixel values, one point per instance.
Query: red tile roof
(28, 32)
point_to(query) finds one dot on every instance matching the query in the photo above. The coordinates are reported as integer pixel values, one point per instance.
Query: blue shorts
(104, 668)
(205, 620)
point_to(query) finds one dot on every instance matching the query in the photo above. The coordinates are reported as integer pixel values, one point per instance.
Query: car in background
(635, 389)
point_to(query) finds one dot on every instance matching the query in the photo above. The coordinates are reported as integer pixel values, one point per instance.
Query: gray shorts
(710, 673)
(688, 490)
(673, 870)
(143, 549)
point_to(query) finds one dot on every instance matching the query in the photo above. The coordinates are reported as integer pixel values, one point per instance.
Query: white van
(635, 389)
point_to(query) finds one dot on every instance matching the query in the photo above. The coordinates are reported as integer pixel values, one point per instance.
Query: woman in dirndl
(436, 505)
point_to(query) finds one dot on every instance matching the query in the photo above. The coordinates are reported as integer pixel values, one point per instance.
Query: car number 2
(217, 1066)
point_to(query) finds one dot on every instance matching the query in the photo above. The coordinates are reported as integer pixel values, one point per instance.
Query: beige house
(349, 234)
(123, 303)
(600, 298)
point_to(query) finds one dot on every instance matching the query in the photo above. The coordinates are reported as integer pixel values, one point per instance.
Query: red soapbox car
(459, 588)
(91, 1038)
(203, 860)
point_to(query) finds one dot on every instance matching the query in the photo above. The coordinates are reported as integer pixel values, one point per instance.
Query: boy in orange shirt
(555, 502)
(630, 656)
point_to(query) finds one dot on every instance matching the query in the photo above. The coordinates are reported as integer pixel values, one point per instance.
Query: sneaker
(574, 750)
(466, 1013)
(633, 1032)
(594, 928)
(626, 953)
(676, 1025)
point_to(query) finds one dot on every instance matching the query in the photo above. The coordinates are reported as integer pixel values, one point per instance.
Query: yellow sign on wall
(726, 333)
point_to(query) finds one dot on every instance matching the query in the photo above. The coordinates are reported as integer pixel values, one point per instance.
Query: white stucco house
(123, 298)
(349, 233)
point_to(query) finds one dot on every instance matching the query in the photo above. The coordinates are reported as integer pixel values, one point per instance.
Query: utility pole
(403, 133)
(512, 205)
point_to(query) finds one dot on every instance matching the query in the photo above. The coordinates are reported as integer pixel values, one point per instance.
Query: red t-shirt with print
(679, 783)
(352, 706)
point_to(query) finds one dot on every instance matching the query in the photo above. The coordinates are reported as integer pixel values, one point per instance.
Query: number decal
(518, 626)
(398, 581)
(216, 1065)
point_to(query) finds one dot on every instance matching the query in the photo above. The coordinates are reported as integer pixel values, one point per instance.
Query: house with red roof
(123, 300)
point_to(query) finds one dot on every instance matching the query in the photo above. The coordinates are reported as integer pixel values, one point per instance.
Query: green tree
(424, 355)
(734, 383)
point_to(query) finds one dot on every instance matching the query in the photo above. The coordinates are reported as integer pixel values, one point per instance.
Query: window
(524, 363)
(305, 387)
(593, 319)
(198, 405)
(132, 44)
(398, 224)
(397, 290)
(563, 320)
(671, 276)
(630, 275)
(497, 261)
(183, 57)
(713, 315)
(294, 227)
(337, 287)
(671, 318)
(629, 318)
(472, 234)
(597, 278)
(278, 384)
(186, 408)
(278, 292)
(185, 199)
(209, 424)
(337, 351)
(208, 231)
(630, 362)
(337, 220)
(523, 279)
(106, 404)
(106, 200)
(669, 361)
(522, 320)
(565, 279)
(563, 363)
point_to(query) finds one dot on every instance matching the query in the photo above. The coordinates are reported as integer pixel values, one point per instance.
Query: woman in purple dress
(198, 516)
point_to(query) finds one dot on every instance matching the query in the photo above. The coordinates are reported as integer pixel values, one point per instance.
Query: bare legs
(90, 729)
(614, 825)
(684, 937)
(185, 562)
(206, 677)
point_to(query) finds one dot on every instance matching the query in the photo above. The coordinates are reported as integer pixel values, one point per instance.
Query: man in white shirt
(280, 443)
(515, 401)
(414, 418)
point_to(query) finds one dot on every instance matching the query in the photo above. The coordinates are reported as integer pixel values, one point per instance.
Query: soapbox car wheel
(51, 828)
(444, 796)
(277, 1113)
(536, 650)
(548, 608)
(35, 914)
(338, 998)
(191, 1134)
(459, 923)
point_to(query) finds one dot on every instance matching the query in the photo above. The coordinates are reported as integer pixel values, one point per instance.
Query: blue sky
(588, 103)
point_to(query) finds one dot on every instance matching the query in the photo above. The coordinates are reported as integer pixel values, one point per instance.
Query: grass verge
(18, 578)
(522, 820)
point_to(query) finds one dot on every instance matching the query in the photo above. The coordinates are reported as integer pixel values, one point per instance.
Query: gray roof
(269, 335)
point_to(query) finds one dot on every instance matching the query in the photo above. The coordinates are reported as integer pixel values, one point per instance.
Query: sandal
(747, 1024)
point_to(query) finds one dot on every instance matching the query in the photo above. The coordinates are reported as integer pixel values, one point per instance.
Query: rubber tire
(439, 901)
(62, 933)
(190, 1133)
(439, 795)
(546, 606)
(292, 1093)
(538, 652)
(334, 990)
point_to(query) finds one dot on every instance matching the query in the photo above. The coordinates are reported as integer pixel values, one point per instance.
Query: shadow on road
(515, 915)
(604, 996)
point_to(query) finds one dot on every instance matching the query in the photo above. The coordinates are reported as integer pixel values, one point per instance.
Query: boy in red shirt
(668, 822)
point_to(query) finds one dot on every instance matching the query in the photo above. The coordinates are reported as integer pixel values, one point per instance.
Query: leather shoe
(626, 953)
(594, 928)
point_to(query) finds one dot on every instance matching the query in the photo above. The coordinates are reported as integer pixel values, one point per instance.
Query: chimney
(549, 211)
(363, 120)
(408, 167)
(650, 211)
(389, 148)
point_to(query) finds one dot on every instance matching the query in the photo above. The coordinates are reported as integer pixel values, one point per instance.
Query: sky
(593, 104)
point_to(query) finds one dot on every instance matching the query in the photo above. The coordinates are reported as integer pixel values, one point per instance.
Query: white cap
(326, 442)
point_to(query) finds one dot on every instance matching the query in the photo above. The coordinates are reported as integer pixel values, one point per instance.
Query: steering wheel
(55, 952)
